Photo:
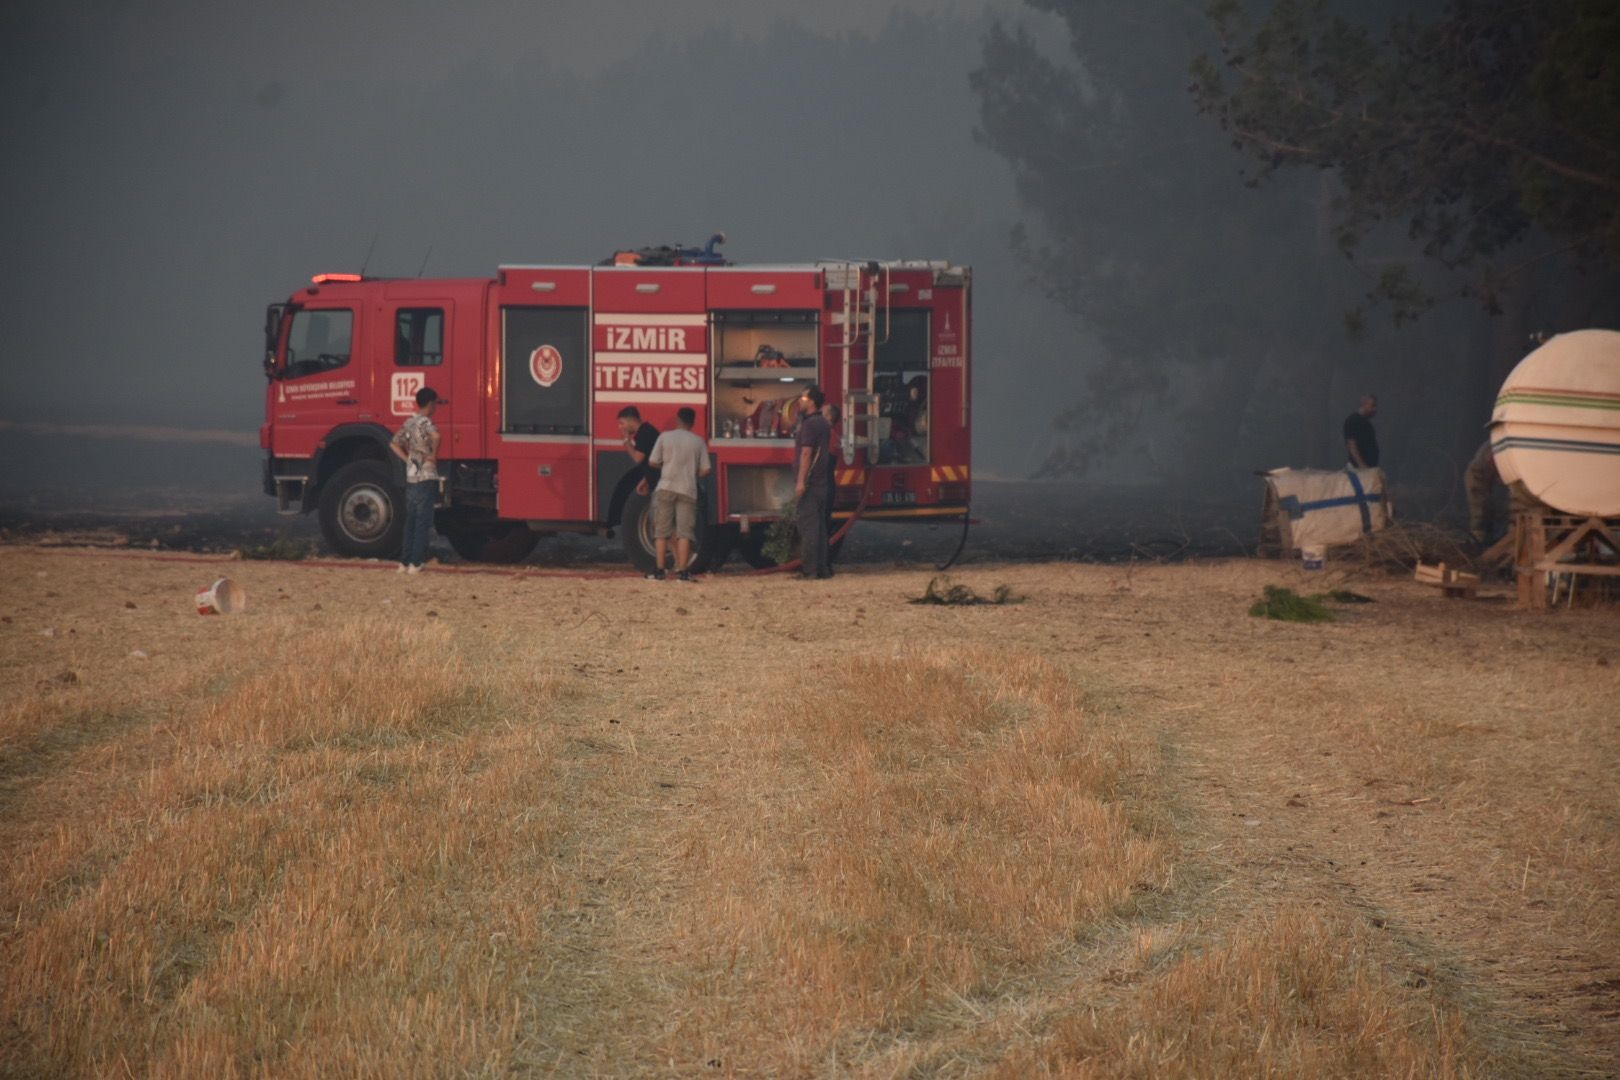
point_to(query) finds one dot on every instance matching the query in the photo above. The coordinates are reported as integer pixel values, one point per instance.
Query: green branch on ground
(942, 590)
(1287, 605)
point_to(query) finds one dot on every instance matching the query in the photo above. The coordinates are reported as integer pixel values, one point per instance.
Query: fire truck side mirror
(272, 336)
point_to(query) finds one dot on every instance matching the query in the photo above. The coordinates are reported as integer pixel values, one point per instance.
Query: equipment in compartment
(763, 361)
(902, 386)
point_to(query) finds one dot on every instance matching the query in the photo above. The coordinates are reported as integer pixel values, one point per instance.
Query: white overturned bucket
(223, 597)
(1313, 556)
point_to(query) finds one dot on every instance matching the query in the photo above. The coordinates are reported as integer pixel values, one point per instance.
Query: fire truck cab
(537, 361)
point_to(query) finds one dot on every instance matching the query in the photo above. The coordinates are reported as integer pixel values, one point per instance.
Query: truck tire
(502, 542)
(751, 546)
(363, 512)
(715, 547)
(636, 528)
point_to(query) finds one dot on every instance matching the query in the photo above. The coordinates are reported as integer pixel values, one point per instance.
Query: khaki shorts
(674, 516)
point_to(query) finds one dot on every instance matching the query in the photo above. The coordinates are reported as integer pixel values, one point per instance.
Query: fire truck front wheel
(362, 512)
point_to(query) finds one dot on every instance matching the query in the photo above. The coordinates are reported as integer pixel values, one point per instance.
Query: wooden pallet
(1549, 547)
(1449, 580)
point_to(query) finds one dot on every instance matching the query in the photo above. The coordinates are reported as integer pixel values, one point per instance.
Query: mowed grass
(352, 859)
(330, 868)
(950, 825)
(1294, 994)
(962, 869)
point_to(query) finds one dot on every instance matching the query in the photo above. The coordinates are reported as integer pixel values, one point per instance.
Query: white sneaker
(401, 568)
(413, 569)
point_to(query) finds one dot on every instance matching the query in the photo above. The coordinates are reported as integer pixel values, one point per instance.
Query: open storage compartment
(763, 360)
(902, 384)
(758, 491)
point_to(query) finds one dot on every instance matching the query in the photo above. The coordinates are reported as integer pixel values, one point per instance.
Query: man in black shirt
(812, 460)
(1360, 440)
(639, 439)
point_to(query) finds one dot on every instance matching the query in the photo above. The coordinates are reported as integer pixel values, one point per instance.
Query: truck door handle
(348, 401)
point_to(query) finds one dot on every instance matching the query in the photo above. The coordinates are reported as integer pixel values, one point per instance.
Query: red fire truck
(538, 361)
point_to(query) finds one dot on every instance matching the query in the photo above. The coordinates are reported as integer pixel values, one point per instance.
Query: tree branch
(1273, 144)
(1569, 172)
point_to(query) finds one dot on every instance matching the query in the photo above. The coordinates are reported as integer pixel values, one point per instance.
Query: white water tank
(1556, 426)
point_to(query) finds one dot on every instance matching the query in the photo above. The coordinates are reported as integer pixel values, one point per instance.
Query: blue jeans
(419, 500)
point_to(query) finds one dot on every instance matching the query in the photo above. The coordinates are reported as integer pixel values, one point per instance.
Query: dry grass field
(476, 824)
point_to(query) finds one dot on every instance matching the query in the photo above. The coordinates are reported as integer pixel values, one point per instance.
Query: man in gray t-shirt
(681, 458)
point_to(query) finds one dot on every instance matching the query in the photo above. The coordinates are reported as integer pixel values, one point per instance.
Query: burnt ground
(1014, 521)
(206, 498)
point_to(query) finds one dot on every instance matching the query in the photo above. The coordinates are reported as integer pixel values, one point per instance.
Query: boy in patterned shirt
(417, 445)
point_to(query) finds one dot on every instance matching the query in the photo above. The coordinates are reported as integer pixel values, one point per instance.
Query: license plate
(897, 498)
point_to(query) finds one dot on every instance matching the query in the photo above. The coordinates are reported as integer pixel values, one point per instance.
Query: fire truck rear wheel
(505, 542)
(362, 512)
(636, 528)
(751, 546)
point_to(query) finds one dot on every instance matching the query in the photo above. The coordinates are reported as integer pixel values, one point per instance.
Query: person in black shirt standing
(812, 461)
(639, 439)
(1360, 440)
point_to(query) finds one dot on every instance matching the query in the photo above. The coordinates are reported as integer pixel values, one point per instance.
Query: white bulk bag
(1317, 507)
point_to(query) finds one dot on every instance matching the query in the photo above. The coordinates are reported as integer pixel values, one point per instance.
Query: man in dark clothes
(1360, 440)
(639, 439)
(812, 461)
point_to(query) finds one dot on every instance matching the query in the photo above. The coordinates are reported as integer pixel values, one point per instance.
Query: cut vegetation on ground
(470, 825)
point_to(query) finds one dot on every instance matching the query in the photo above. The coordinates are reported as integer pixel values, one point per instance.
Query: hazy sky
(173, 167)
(428, 37)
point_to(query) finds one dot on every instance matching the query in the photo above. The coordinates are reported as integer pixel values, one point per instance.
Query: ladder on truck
(859, 317)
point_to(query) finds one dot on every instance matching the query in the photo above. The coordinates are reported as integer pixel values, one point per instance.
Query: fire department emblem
(545, 364)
